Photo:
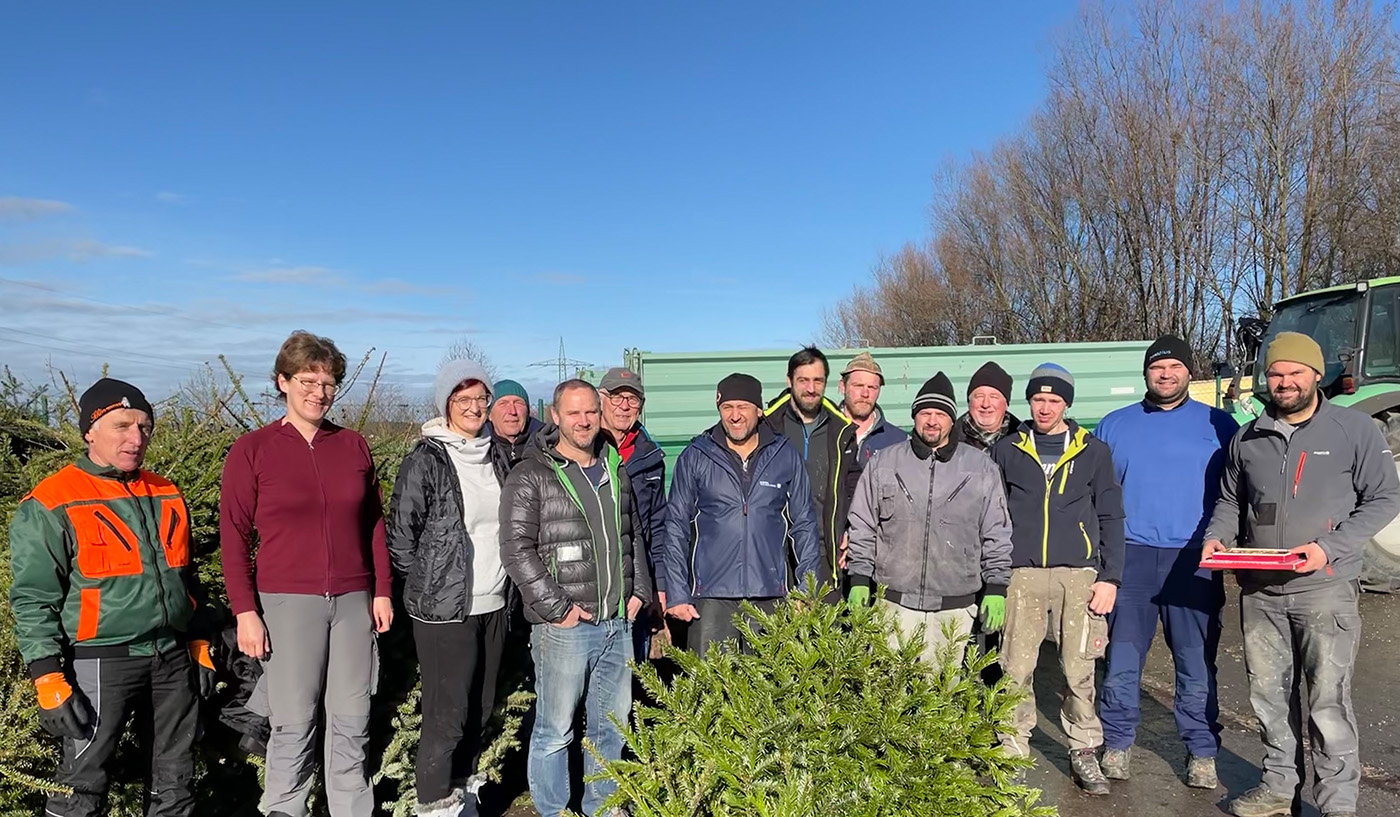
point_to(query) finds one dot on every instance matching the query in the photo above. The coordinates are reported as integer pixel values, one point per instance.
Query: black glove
(61, 713)
(203, 668)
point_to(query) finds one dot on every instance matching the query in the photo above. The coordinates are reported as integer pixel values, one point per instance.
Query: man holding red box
(1317, 480)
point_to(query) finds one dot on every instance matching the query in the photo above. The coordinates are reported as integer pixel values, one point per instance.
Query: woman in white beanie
(443, 533)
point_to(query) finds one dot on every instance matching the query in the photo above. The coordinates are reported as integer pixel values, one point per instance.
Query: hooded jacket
(427, 532)
(833, 468)
(1331, 481)
(931, 526)
(562, 546)
(1073, 517)
(729, 523)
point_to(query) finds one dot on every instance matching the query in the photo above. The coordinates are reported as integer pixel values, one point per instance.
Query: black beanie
(1168, 347)
(740, 387)
(109, 395)
(991, 375)
(936, 393)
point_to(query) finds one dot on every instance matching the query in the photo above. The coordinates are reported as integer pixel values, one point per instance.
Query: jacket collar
(1074, 446)
(784, 402)
(1266, 421)
(923, 452)
(87, 466)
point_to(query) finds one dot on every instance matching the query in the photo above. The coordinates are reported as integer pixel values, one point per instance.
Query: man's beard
(729, 432)
(582, 445)
(935, 443)
(806, 408)
(1304, 398)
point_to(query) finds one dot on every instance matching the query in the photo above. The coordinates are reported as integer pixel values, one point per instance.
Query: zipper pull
(746, 507)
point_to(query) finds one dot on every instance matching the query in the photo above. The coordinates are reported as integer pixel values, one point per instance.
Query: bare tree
(1191, 162)
(468, 349)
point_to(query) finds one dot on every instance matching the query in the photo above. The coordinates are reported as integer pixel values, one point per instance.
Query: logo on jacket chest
(766, 484)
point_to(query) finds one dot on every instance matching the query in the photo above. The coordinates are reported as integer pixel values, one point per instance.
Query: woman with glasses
(310, 604)
(444, 537)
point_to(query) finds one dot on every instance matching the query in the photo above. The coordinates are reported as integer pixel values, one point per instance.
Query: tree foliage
(825, 718)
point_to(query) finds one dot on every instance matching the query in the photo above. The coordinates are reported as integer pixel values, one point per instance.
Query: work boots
(1084, 763)
(1261, 802)
(1200, 772)
(1115, 763)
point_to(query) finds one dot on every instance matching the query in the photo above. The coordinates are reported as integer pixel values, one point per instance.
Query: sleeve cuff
(1114, 582)
(862, 581)
(40, 667)
(994, 590)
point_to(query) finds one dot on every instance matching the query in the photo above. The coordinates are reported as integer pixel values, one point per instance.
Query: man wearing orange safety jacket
(103, 605)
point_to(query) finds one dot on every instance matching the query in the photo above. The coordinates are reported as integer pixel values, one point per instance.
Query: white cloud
(303, 276)
(167, 197)
(14, 208)
(397, 286)
(67, 249)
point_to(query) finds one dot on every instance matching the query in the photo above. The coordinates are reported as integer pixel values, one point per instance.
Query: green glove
(993, 613)
(859, 596)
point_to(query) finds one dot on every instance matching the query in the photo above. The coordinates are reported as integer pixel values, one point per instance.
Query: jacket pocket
(106, 546)
(174, 533)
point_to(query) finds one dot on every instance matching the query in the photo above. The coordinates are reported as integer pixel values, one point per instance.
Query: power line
(152, 362)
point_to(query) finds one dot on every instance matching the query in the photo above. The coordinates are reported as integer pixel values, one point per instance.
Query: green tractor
(1358, 328)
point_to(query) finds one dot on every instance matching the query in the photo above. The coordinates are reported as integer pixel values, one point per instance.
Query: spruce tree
(822, 718)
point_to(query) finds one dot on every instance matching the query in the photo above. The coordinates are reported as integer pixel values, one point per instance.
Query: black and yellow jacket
(1071, 518)
(101, 564)
(831, 454)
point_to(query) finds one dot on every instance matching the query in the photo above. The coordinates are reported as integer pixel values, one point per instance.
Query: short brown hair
(303, 351)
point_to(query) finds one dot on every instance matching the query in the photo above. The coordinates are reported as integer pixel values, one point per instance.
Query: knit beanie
(1167, 347)
(510, 388)
(936, 393)
(107, 395)
(1296, 348)
(1049, 378)
(739, 386)
(453, 374)
(991, 375)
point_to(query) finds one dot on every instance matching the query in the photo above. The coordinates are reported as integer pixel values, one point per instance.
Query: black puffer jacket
(540, 520)
(427, 537)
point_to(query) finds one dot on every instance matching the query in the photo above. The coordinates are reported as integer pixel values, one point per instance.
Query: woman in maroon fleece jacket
(310, 604)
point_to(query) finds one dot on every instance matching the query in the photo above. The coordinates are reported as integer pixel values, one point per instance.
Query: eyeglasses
(462, 402)
(310, 384)
(628, 400)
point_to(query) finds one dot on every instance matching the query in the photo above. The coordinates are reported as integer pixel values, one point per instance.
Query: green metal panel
(680, 387)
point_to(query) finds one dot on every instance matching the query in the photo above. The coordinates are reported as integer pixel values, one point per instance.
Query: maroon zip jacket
(316, 511)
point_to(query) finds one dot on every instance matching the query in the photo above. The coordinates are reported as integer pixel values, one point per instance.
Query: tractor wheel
(1380, 572)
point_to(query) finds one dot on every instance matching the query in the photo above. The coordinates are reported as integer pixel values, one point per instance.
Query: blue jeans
(1165, 584)
(586, 659)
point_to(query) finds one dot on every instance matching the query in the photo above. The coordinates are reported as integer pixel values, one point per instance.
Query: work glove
(61, 713)
(859, 596)
(203, 667)
(992, 613)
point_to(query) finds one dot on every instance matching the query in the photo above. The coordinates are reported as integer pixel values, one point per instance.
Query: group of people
(975, 522)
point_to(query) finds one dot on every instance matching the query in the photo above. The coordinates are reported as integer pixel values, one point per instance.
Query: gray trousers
(320, 647)
(1312, 636)
(935, 641)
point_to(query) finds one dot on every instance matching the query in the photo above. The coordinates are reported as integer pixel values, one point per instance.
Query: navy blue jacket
(647, 470)
(728, 527)
(882, 435)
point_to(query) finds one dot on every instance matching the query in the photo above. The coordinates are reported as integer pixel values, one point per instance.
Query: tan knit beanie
(1295, 348)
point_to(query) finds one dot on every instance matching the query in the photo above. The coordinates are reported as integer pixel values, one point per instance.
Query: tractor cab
(1358, 328)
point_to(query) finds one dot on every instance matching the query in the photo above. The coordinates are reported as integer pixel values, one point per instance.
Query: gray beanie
(452, 374)
(1049, 378)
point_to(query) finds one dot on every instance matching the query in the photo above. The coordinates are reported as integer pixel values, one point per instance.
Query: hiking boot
(1084, 763)
(1200, 772)
(1260, 802)
(1115, 763)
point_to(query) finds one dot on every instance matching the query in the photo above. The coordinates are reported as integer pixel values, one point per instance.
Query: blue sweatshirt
(1168, 463)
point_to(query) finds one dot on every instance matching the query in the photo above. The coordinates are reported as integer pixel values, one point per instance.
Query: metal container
(680, 387)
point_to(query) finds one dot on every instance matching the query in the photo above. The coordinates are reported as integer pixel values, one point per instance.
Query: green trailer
(1356, 325)
(680, 387)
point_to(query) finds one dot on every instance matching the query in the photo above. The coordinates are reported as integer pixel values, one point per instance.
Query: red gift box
(1253, 559)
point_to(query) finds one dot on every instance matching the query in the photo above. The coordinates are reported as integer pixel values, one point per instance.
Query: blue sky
(179, 181)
